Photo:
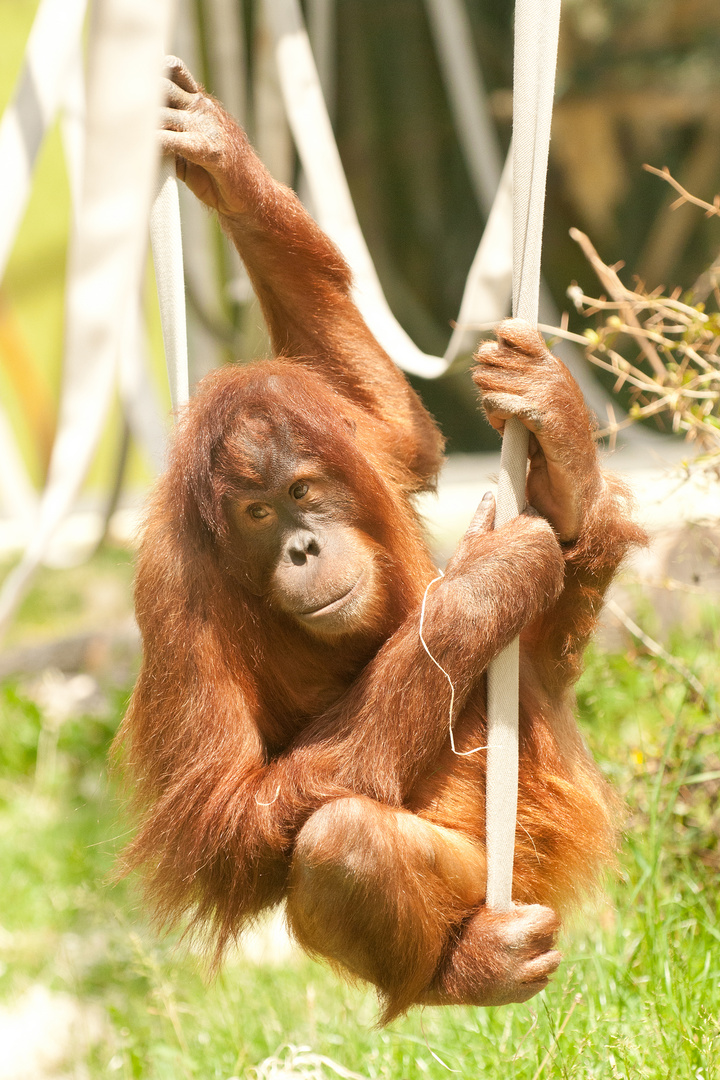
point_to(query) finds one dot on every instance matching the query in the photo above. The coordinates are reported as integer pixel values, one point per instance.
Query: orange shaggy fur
(271, 764)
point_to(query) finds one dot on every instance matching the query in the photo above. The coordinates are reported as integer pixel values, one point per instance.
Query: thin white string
(537, 855)
(273, 800)
(460, 753)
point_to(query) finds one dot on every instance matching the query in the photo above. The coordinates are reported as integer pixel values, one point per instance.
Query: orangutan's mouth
(334, 605)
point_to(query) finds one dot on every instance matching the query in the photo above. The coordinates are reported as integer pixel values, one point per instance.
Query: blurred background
(86, 987)
(637, 82)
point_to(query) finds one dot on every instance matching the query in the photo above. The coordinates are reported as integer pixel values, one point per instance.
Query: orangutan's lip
(334, 605)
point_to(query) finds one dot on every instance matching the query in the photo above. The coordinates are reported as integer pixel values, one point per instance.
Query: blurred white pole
(107, 255)
(166, 240)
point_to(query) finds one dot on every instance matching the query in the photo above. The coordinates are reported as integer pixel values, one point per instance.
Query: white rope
(200, 235)
(438, 665)
(479, 143)
(536, 36)
(138, 394)
(488, 287)
(166, 239)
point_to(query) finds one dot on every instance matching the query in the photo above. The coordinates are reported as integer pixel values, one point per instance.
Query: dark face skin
(293, 543)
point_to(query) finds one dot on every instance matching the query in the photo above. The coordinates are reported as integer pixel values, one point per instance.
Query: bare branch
(711, 209)
(618, 291)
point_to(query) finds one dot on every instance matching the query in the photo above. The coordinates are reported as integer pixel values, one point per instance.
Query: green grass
(637, 996)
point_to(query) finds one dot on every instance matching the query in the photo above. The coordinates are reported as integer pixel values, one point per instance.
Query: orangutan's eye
(298, 490)
(258, 511)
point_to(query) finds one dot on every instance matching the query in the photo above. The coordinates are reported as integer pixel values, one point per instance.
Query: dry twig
(711, 209)
(676, 368)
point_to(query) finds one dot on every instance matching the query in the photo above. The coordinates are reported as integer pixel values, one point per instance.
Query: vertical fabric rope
(536, 37)
(166, 241)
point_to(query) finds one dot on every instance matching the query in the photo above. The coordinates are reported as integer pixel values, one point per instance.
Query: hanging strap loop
(536, 37)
